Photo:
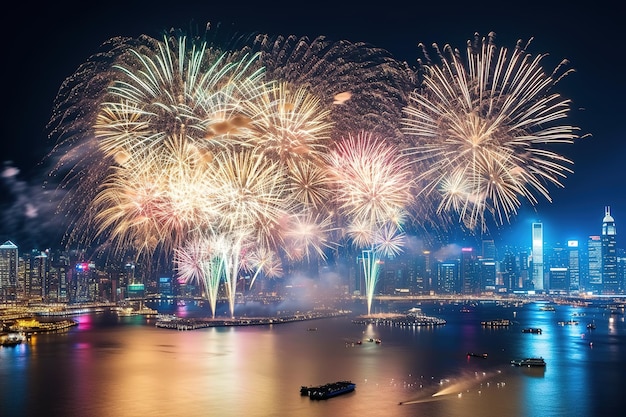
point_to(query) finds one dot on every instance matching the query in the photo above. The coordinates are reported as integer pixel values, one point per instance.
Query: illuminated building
(489, 249)
(573, 264)
(166, 289)
(448, 281)
(559, 280)
(424, 275)
(610, 283)
(8, 271)
(621, 270)
(509, 271)
(594, 259)
(487, 275)
(57, 288)
(83, 286)
(35, 272)
(537, 256)
(469, 278)
(136, 291)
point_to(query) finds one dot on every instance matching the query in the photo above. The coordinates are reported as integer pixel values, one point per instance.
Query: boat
(547, 308)
(12, 339)
(529, 362)
(496, 323)
(568, 323)
(477, 355)
(535, 330)
(591, 326)
(30, 326)
(142, 311)
(332, 389)
(124, 311)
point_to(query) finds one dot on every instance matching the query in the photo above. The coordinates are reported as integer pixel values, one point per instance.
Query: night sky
(45, 44)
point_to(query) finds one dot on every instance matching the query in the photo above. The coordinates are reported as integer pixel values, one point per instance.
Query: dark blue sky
(45, 44)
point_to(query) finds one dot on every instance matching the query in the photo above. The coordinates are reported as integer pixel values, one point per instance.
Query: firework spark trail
(373, 186)
(197, 262)
(251, 200)
(261, 260)
(456, 386)
(479, 126)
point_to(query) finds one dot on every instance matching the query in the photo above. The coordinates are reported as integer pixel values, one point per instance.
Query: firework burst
(374, 186)
(482, 127)
(364, 86)
(373, 179)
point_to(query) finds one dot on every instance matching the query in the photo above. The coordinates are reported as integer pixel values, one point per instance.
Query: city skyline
(596, 182)
(590, 267)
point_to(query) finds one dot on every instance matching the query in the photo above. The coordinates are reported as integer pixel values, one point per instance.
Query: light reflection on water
(126, 367)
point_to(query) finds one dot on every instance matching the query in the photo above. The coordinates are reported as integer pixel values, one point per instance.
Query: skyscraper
(8, 271)
(448, 281)
(594, 261)
(574, 265)
(610, 283)
(489, 249)
(510, 271)
(537, 256)
(469, 279)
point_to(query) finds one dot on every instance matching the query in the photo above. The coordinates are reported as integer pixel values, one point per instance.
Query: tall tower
(594, 264)
(610, 283)
(537, 255)
(469, 281)
(8, 271)
(573, 263)
(448, 277)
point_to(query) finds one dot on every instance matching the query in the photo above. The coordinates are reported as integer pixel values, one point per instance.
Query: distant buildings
(592, 266)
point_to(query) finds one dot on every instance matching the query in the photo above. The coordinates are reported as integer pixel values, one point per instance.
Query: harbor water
(127, 367)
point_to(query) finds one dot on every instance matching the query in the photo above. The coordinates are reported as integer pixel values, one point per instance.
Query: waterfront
(126, 366)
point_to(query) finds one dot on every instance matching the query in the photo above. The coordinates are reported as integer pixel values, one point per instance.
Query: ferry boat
(496, 323)
(129, 311)
(536, 330)
(529, 362)
(12, 339)
(30, 326)
(477, 355)
(332, 389)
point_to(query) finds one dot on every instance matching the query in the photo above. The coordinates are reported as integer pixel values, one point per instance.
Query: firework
(142, 164)
(373, 179)
(247, 158)
(262, 260)
(289, 124)
(197, 262)
(373, 186)
(309, 234)
(364, 86)
(137, 208)
(482, 127)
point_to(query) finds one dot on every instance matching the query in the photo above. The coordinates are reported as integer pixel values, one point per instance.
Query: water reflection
(125, 366)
